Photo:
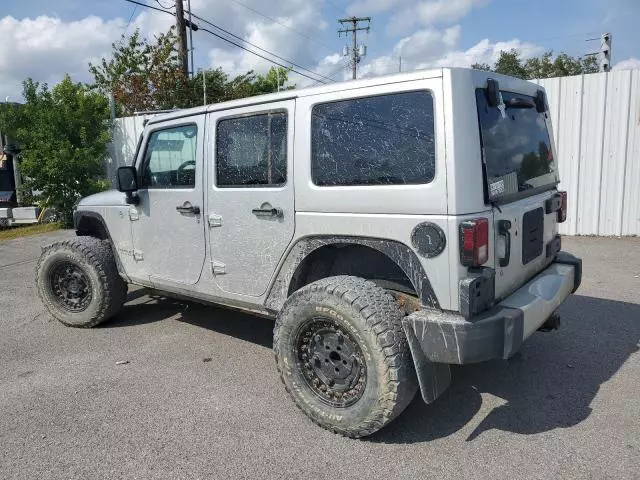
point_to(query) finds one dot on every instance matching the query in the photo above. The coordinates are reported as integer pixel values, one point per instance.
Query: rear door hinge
(217, 267)
(215, 220)
(133, 214)
(138, 255)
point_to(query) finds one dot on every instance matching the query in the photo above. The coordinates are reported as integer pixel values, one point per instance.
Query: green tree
(146, 75)
(545, 66)
(64, 136)
(221, 88)
(142, 74)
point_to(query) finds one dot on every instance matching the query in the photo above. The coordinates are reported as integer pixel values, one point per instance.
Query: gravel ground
(200, 397)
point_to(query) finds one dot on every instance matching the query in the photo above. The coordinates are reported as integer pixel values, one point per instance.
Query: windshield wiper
(519, 103)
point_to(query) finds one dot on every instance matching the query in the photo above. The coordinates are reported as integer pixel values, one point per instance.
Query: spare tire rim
(331, 362)
(71, 287)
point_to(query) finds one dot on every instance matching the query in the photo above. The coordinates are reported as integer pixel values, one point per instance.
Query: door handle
(503, 229)
(186, 207)
(267, 212)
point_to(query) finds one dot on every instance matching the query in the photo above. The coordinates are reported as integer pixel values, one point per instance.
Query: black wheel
(343, 356)
(78, 281)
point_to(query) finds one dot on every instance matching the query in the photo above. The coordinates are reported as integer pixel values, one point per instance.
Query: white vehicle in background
(392, 226)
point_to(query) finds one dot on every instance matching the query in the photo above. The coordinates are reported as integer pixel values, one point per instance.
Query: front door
(250, 201)
(167, 224)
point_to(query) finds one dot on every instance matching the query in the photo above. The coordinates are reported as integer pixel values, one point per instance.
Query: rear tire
(352, 327)
(78, 282)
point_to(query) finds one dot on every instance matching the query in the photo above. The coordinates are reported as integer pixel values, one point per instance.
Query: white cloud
(627, 64)
(429, 13)
(442, 11)
(45, 48)
(431, 48)
(368, 7)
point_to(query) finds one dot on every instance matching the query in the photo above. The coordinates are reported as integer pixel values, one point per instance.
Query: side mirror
(128, 182)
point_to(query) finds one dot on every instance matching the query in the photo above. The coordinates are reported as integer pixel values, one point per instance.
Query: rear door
(521, 179)
(250, 200)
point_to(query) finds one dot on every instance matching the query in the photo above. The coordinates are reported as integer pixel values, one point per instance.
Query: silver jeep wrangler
(392, 226)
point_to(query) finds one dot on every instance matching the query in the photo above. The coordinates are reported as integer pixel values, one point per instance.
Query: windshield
(516, 147)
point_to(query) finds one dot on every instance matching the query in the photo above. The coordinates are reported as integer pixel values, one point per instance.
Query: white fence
(596, 123)
(124, 139)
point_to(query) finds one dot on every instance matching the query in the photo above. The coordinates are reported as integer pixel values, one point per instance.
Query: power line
(166, 8)
(332, 74)
(231, 42)
(282, 24)
(258, 55)
(135, 7)
(259, 48)
(149, 6)
(338, 9)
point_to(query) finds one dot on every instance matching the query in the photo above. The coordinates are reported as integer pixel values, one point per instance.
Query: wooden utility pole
(193, 65)
(182, 38)
(356, 52)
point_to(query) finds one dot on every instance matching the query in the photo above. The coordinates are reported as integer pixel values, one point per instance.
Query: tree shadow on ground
(549, 384)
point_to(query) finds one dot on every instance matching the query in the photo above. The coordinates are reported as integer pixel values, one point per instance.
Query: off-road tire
(94, 258)
(371, 316)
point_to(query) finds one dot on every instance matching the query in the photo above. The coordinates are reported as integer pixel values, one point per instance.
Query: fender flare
(78, 215)
(398, 252)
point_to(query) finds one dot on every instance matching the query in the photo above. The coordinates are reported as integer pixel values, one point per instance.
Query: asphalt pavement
(200, 396)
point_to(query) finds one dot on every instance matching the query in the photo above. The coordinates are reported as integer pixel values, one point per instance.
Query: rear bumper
(499, 332)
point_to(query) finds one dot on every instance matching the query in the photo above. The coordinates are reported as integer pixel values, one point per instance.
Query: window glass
(170, 158)
(252, 151)
(4, 161)
(382, 140)
(516, 146)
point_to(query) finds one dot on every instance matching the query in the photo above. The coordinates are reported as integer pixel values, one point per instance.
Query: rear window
(516, 147)
(382, 140)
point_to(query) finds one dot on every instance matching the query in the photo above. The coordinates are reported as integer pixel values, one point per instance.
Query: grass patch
(25, 231)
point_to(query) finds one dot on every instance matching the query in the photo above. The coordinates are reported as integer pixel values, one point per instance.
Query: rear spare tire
(343, 356)
(78, 281)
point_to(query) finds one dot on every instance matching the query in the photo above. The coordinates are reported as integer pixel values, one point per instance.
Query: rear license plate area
(532, 235)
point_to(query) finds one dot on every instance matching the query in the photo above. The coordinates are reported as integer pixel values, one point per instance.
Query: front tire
(343, 356)
(78, 282)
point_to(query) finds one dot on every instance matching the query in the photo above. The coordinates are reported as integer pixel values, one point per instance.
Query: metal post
(112, 105)
(605, 53)
(204, 84)
(17, 178)
(191, 38)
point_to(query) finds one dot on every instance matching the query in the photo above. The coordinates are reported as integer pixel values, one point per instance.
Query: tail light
(562, 212)
(474, 242)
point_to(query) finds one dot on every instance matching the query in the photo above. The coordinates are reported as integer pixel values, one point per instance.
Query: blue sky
(44, 39)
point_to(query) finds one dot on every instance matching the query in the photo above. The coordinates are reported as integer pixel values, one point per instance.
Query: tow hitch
(552, 323)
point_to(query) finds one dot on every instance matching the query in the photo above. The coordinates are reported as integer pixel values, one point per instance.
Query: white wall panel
(631, 198)
(596, 123)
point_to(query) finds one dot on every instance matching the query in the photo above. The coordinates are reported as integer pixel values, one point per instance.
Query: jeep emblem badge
(428, 239)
